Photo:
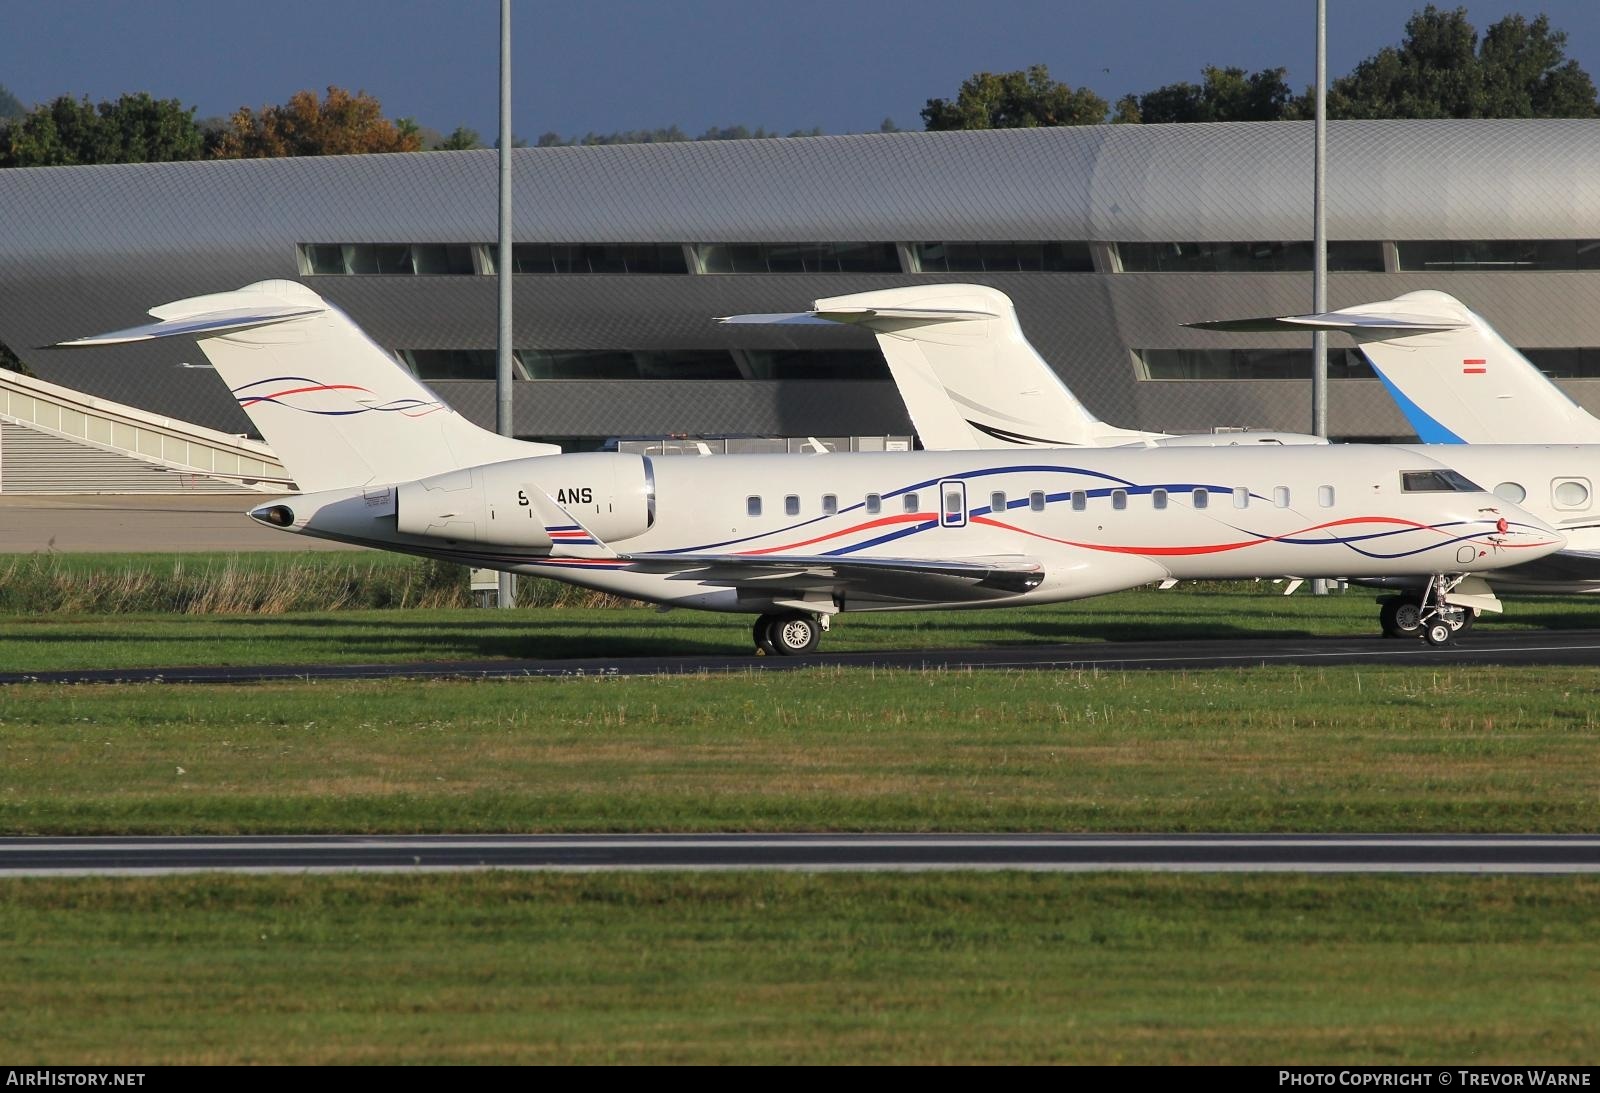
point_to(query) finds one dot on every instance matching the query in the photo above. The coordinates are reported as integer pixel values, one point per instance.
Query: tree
(10, 105)
(1014, 100)
(1440, 71)
(461, 139)
(134, 129)
(1227, 94)
(340, 124)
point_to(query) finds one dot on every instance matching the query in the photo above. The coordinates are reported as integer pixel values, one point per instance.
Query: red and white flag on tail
(1474, 367)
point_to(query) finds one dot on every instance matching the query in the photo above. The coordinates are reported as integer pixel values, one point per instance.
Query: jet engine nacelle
(612, 494)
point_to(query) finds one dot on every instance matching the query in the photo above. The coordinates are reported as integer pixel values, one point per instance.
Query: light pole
(502, 370)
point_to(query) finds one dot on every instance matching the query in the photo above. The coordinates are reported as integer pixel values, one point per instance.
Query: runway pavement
(93, 523)
(1533, 647)
(139, 856)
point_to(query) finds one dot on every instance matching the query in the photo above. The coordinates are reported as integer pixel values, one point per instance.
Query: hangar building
(1107, 237)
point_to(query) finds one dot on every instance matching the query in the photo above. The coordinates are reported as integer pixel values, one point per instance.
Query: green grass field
(927, 968)
(1284, 749)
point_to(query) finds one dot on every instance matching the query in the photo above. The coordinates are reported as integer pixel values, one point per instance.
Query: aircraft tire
(1400, 617)
(1439, 633)
(795, 635)
(762, 633)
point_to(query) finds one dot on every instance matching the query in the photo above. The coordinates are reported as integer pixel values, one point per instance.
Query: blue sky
(605, 65)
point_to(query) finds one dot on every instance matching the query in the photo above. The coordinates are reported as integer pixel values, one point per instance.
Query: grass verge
(731, 968)
(1283, 749)
(564, 630)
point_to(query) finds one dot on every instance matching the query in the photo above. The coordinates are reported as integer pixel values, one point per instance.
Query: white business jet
(972, 381)
(1484, 410)
(797, 539)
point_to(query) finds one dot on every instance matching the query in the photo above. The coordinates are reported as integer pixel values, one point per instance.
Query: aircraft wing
(908, 579)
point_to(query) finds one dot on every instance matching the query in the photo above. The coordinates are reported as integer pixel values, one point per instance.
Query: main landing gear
(791, 634)
(1427, 615)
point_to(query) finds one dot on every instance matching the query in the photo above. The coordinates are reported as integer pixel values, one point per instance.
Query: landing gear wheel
(1468, 617)
(762, 633)
(1401, 617)
(1439, 633)
(795, 635)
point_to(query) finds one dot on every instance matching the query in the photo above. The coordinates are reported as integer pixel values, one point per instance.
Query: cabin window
(791, 505)
(1280, 496)
(752, 506)
(1080, 500)
(830, 504)
(874, 504)
(1570, 493)
(1514, 492)
(1036, 501)
(911, 502)
(1158, 498)
(1325, 496)
(1201, 498)
(997, 502)
(1241, 497)
(1119, 499)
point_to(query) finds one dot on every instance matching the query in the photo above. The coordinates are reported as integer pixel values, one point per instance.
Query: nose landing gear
(1437, 621)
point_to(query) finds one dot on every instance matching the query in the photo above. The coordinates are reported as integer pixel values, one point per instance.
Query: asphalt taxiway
(137, 855)
(1579, 648)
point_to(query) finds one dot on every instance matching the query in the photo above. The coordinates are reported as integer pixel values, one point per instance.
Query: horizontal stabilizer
(1338, 320)
(858, 316)
(213, 322)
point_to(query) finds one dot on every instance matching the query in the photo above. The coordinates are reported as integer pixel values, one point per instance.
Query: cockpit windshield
(1440, 481)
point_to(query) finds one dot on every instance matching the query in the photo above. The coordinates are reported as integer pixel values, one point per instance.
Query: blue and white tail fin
(969, 377)
(337, 409)
(1452, 374)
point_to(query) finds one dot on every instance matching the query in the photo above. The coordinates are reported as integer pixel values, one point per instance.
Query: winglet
(569, 538)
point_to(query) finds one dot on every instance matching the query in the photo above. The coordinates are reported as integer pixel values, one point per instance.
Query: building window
(752, 506)
(1036, 501)
(595, 258)
(798, 257)
(1264, 257)
(1245, 364)
(1020, 257)
(387, 258)
(628, 364)
(1454, 255)
(874, 504)
(815, 364)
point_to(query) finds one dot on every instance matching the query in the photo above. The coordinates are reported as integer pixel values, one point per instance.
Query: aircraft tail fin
(968, 375)
(337, 409)
(1452, 374)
